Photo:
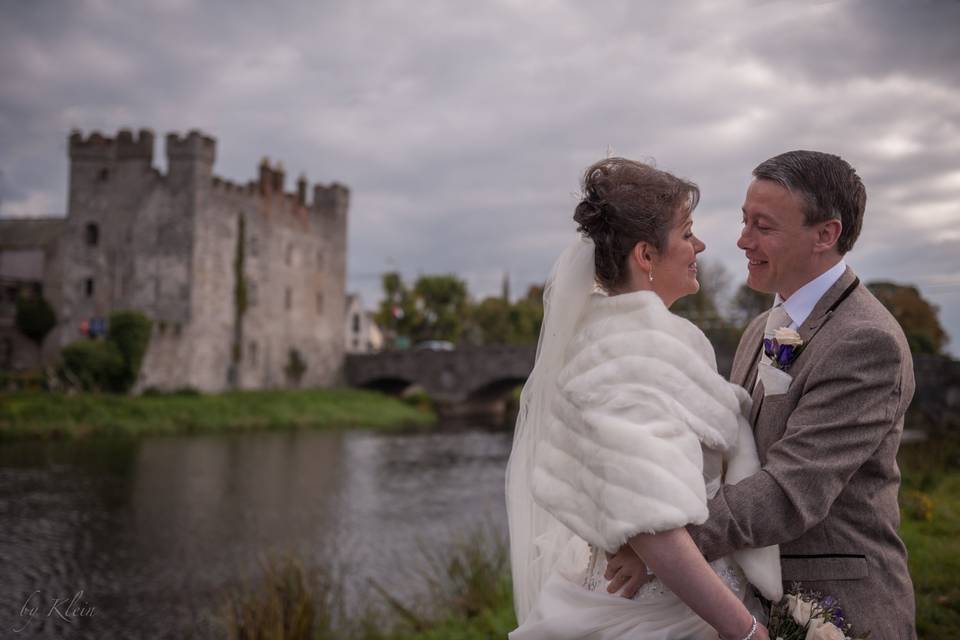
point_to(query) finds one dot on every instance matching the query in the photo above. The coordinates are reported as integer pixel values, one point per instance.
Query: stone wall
(168, 246)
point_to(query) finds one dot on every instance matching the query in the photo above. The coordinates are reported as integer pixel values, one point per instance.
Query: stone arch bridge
(473, 378)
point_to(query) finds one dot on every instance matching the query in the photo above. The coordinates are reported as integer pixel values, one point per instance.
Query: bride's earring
(651, 275)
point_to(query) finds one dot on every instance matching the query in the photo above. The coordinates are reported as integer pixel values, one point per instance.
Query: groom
(827, 492)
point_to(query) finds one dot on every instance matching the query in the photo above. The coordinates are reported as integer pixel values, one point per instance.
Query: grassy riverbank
(26, 415)
(931, 530)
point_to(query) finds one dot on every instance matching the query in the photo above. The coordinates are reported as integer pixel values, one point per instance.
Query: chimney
(302, 190)
(265, 175)
(278, 178)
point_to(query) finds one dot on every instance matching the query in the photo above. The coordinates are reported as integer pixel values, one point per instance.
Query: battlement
(335, 197)
(194, 145)
(125, 146)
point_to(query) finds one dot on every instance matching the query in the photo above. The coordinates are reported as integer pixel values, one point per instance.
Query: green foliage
(702, 307)
(240, 294)
(496, 321)
(933, 540)
(442, 302)
(130, 332)
(490, 322)
(432, 310)
(35, 318)
(748, 304)
(96, 365)
(916, 505)
(112, 364)
(916, 316)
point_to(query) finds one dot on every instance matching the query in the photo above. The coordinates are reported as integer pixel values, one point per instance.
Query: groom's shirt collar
(801, 303)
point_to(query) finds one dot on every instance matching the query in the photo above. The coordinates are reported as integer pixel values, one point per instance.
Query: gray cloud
(462, 128)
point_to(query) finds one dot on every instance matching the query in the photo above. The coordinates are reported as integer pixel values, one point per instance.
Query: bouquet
(808, 615)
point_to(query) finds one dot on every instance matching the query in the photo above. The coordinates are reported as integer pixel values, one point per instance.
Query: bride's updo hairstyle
(626, 202)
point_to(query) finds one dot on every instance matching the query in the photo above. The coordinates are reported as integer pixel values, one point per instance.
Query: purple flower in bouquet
(783, 348)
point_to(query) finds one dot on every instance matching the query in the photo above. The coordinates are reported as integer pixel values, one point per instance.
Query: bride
(626, 430)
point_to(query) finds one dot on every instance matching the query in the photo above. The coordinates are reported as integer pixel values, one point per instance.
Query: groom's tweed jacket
(827, 490)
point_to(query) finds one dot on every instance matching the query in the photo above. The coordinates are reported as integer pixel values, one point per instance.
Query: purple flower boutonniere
(783, 348)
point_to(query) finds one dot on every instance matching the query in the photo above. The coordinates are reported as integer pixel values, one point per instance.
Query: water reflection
(152, 531)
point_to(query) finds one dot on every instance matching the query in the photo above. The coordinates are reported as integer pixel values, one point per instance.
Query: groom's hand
(626, 572)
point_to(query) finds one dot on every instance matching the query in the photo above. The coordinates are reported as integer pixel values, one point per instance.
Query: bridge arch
(390, 385)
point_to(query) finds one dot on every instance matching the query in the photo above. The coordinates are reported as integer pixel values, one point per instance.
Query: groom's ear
(827, 235)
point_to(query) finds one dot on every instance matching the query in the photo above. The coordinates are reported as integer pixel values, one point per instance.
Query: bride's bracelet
(753, 630)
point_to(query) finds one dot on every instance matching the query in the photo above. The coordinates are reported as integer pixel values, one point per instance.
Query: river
(150, 533)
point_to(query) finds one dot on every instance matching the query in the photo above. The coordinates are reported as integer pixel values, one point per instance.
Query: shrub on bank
(112, 364)
(130, 331)
(35, 318)
(93, 365)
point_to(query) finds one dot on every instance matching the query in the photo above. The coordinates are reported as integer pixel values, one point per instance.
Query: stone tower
(240, 280)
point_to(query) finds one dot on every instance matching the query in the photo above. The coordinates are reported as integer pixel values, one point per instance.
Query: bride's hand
(626, 572)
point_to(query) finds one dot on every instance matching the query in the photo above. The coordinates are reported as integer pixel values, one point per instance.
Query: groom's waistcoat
(827, 493)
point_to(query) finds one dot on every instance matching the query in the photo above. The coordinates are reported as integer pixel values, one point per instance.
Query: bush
(35, 317)
(130, 331)
(96, 365)
(917, 505)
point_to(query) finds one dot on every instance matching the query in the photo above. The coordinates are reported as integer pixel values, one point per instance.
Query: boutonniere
(783, 348)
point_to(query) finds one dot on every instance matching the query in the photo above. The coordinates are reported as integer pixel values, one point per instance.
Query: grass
(35, 414)
(466, 595)
(930, 499)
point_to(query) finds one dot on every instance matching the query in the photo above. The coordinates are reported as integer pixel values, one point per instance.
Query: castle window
(92, 234)
(251, 293)
(88, 287)
(319, 302)
(104, 175)
(356, 323)
(252, 352)
(289, 258)
(288, 299)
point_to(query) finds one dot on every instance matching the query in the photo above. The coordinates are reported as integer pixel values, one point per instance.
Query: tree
(491, 319)
(703, 307)
(916, 316)
(442, 302)
(398, 314)
(748, 304)
(35, 318)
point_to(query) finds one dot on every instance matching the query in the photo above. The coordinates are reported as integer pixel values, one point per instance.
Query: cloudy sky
(462, 127)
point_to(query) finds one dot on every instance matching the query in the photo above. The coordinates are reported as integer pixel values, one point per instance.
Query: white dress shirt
(801, 303)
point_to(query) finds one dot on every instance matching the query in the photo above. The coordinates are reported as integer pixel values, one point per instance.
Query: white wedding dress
(625, 427)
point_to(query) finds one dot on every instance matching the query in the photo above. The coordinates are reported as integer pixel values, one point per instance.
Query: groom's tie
(776, 319)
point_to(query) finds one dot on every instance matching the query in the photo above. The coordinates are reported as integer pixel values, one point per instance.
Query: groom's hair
(829, 186)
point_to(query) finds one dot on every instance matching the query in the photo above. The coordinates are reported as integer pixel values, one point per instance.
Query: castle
(245, 284)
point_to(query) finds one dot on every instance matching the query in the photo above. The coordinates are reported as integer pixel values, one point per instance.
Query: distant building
(363, 335)
(240, 280)
(29, 265)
